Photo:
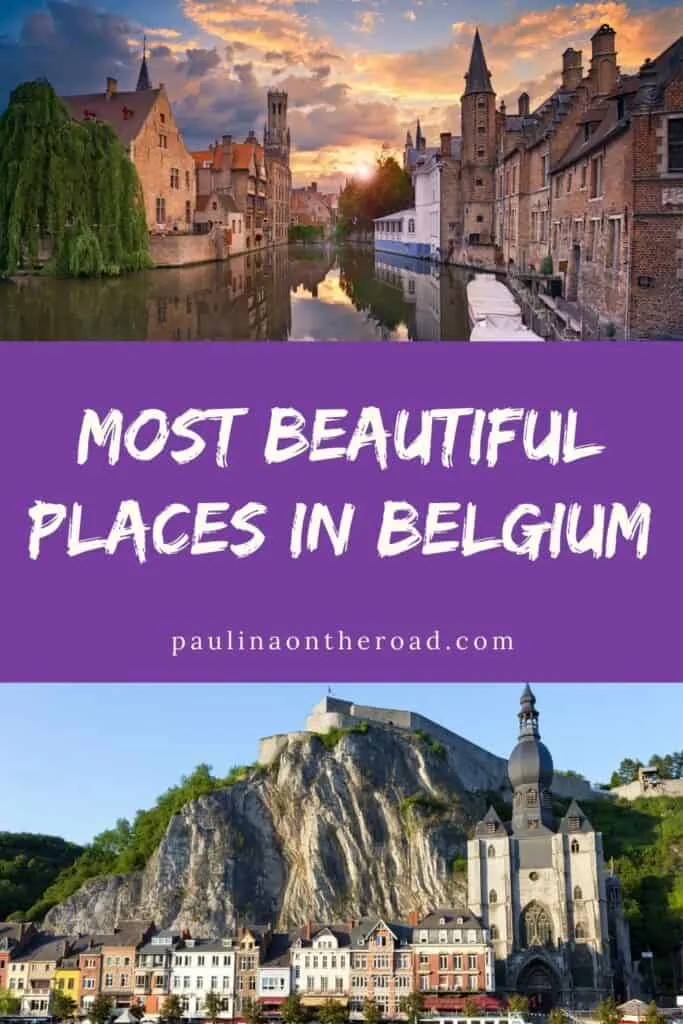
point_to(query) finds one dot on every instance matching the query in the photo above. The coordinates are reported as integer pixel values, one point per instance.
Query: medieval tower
(276, 144)
(478, 155)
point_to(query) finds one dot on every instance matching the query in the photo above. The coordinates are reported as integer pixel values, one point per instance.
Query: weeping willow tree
(67, 188)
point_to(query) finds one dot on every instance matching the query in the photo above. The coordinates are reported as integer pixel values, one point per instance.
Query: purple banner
(469, 602)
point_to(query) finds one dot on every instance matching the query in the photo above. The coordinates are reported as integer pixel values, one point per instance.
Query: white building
(201, 966)
(274, 982)
(321, 963)
(397, 233)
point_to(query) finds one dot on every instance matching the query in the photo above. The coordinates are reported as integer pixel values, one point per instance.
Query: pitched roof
(460, 916)
(607, 126)
(491, 817)
(478, 77)
(242, 154)
(46, 948)
(126, 112)
(574, 811)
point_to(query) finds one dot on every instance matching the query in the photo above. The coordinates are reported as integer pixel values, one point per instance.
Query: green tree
(213, 1004)
(372, 1011)
(172, 1010)
(252, 1011)
(293, 1011)
(626, 772)
(332, 1012)
(101, 1010)
(63, 1006)
(557, 1016)
(607, 1012)
(413, 1006)
(518, 1003)
(9, 1006)
(470, 1008)
(68, 183)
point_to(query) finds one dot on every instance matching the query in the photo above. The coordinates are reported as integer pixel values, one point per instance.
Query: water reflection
(322, 294)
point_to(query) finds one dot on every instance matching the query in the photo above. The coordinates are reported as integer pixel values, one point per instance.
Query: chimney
(523, 104)
(604, 60)
(314, 186)
(351, 924)
(112, 88)
(413, 918)
(446, 138)
(252, 136)
(227, 140)
(307, 930)
(572, 69)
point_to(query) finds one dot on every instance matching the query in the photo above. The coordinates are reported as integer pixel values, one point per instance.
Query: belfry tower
(478, 116)
(276, 136)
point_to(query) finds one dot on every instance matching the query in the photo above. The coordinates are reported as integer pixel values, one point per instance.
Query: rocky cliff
(360, 823)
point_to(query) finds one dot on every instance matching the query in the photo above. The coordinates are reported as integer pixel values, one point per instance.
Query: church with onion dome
(541, 886)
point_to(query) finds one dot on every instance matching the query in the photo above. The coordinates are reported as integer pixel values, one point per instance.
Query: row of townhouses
(587, 186)
(241, 188)
(446, 956)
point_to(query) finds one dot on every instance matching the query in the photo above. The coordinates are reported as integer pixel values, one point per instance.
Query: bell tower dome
(530, 770)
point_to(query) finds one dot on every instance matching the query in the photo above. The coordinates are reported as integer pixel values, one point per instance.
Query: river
(295, 294)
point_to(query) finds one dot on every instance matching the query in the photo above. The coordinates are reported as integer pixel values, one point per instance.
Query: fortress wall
(270, 747)
(635, 790)
(577, 789)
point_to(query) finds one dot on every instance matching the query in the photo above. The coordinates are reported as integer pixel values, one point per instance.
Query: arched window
(494, 932)
(575, 846)
(536, 926)
(579, 932)
(493, 896)
(492, 851)
(578, 895)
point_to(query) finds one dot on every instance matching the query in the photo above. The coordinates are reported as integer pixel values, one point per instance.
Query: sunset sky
(358, 72)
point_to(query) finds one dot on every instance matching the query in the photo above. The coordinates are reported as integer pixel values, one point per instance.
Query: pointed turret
(420, 141)
(478, 77)
(144, 81)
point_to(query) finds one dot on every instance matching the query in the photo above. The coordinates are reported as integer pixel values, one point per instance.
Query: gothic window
(531, 798)
(575, 846)
(494, 932)
(579, 932)
(537, 929)
(492, 851)
(578, 895)
(493, 896)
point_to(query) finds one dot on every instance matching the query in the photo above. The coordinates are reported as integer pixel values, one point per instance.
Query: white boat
(494, 314)
(502, 329)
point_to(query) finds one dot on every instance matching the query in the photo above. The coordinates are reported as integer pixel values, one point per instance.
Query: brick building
(310, 207)
(381, 965)
(251, 945)
(90, 967)
(144, 122)
(451, 956)
(119, 952)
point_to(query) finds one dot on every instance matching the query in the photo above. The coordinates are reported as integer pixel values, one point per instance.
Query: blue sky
(358, 72)
(77, 757)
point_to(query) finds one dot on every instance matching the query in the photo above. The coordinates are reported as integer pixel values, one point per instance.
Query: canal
(296, 294)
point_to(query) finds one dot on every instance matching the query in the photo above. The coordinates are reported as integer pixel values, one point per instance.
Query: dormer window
(460, 920)
(442, 920)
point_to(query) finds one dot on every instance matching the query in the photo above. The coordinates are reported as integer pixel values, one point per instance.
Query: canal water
(295, 294)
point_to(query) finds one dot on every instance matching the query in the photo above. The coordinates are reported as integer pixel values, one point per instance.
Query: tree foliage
(213, 1004)
(372, 1011)
(252, 1011)
(607, 1012)
(9, 1005)
(518, 1003)
(63, 1006)
(293, 1011)
(387, 191)
(101, 1009)
(332, 1012)
(413, 1006)
(668, 766)
(470, 1007)
(69, 186)
(28, 865)
(128, 847)
(172, 1010)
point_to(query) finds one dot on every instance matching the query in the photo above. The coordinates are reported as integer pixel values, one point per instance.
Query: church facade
(542, 888)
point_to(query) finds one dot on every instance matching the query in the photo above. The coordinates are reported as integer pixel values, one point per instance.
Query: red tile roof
(126, 112)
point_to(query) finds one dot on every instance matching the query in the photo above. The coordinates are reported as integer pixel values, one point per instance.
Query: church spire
(530, 770)
(144, 81)
(419, 137)
(478, 77)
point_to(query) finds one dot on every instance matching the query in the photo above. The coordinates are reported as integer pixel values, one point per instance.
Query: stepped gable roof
(460, 917)
(491, 824)
(126, 112)
(569, 821)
